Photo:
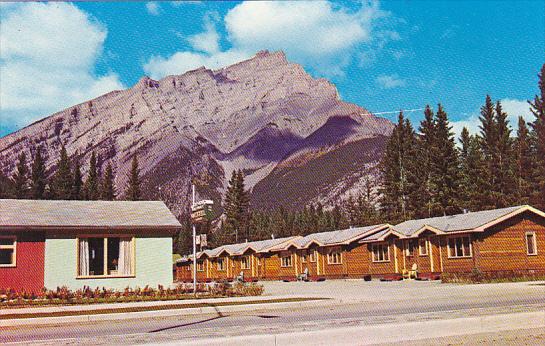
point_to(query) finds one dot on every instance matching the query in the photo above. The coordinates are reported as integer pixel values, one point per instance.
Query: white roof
(48, 214)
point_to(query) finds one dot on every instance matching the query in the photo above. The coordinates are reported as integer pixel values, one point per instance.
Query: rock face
(264, 115)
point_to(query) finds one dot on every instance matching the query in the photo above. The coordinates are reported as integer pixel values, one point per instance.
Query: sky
(383, 56)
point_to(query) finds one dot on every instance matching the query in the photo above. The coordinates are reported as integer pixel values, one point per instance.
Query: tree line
(67, 182)
(423, 173)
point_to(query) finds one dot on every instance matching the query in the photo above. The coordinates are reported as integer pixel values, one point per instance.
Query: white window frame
(200, 266)
(335, 256)
(455, 250)
(426, 242)
(376, 251)
(312, 256)
(304, 254)
(534, 236)
(245, 262)
(10, 247)
(287, 259)
(105, 238)
(220, 262)
(408, 246)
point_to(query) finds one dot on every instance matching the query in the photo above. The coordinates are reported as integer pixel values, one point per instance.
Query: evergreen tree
(91, 187)
(236, 205)
(401, 173)
(133, 186)
(62, 179)
(107, 187)
(77, 183)
(473, 194)
(6, 186)
(444, 166)
(38, 178)
(20, 178)
(537, 106)
(488, 141)
(524, 167)
(503, 161)
(428, 150)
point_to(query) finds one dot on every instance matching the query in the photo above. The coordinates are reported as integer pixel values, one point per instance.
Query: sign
(201, 212)
(201, 240)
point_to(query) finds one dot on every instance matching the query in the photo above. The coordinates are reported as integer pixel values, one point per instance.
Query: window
(245, 262)
(200, 266)
(459, 247)
(286, 261)
(531, 244)
(303, 256)
(312, 256)
(221, 264)
(105, 256)
(381, 252)
(8, 246)
(423, 247)
(411, 246)
(334, 257)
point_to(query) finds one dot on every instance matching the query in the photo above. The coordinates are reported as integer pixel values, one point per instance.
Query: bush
(86, 295)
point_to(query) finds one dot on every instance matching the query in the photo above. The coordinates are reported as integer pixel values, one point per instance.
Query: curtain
(83, 257)
(125, 256)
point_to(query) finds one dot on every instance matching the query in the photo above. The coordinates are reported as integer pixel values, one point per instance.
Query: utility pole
(194, 247)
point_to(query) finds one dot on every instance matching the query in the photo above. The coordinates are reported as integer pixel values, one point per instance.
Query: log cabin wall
(383, 267)
(504, 246)
(357, 260)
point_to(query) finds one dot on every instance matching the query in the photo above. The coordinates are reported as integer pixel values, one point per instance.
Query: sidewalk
(119, 311)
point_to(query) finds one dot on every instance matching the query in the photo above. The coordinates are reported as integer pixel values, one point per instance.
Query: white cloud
(320, 35)
(390, 81)
(153, 8)
(513, 107)
(47, 59)
(208, 40)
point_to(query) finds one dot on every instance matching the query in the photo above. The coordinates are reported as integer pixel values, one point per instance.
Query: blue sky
(383, 56)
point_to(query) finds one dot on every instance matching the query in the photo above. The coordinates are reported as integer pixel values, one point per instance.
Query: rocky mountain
(295, 139)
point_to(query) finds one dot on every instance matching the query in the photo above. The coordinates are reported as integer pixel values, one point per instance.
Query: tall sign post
(194, 246)
(200, 212)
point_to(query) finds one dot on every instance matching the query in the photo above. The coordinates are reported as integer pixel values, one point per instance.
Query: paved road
(422, 303)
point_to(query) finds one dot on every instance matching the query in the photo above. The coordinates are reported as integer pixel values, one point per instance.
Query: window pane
(113, 256)
(6, 241)
(96, 256)
(6, 256)
(452, 247)
(530, 243)
(466, 246)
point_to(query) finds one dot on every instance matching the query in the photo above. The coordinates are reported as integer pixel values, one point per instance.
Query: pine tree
(488, 141)
(503, 161)
(524, 166)
(236, 205)
(444, 166)
(91, 187)
(77, 183)
(537, 106)
(473, 194)
(62, 179)
(107, 188)
(401, 173)
(38, 178)
(133, 186)
(20, 179)
(428, 150)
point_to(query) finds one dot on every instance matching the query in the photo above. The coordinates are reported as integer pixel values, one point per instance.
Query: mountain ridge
(253, 115)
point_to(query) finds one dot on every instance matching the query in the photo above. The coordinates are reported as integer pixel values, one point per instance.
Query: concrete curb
(386, 333)
(212, 310)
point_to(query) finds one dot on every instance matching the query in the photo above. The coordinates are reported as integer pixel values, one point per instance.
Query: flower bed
(63, 296)
(477, 276)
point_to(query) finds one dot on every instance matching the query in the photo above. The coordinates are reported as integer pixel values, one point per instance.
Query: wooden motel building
(508, 241)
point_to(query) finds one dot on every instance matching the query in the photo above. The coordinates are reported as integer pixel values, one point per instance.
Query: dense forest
(425, 172)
